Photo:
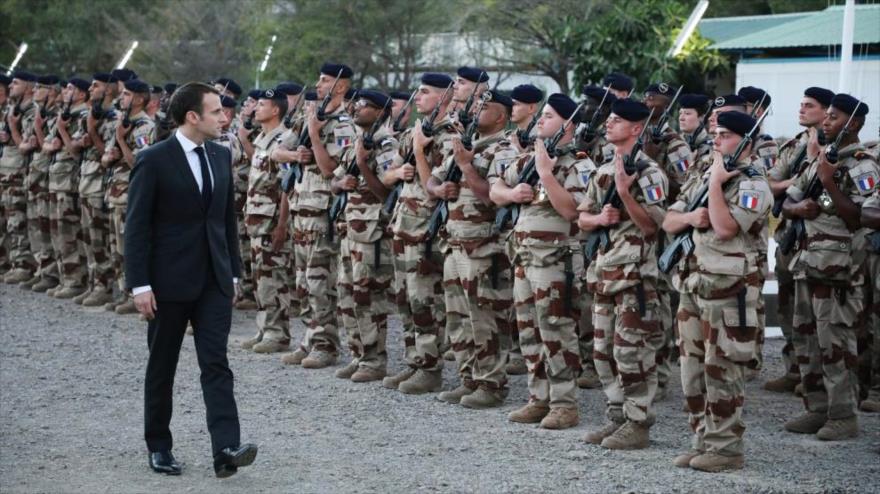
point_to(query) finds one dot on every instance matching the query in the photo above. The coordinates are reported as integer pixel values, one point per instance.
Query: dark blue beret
(230, 85)
(527, 93)
(661, 88)
(62, 82)
(563, 105)
(697, 102)
(597, 93)
(730, 100)
(334, 69)
(473, 74)
(5, 80)
(137, 86)
(48, 80)
(501, 98)
(255, 93)
(434, 79)
(400, 95)
(24, 76)
(753, 95)
(374, 97)
(227, 102)
(820, 94)
(847, 104)
(273, 94)
(616, 80)
(81, 84)
(157, 90)
(311, 96)
(170, 87)
(351, 94)
(103, 77)
(736, 122)
(289, 88)
(630, 109)
(123, 74)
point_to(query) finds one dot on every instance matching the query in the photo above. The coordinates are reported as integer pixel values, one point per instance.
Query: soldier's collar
(850, 150)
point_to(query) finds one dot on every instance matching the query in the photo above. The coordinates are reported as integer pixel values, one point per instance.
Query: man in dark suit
(182, 264)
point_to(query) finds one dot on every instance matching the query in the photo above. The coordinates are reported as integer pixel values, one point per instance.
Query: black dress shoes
(227, 461)
(164, 462)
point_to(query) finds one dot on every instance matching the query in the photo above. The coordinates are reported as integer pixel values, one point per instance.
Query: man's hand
(543, 162)
(463, 157)
(825, 171)
(699, 218)
(315, 125)
(405, 172)
(813, 147)
(808, 209)
(348, 183)
(609, 216)
(304, 155)
(279, 236)
(719, 175)
(236, 286)
(121, 131)
(448, 191)
(146, 304)
(522, 194)
(622, 181)
(420, 142)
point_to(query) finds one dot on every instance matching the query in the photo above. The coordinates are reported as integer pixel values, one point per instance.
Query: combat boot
(589, 379)
(367, 374)
(392, 382)
(684, 460)
(531, 413)
(97, 299)
(246, 304)
(516, 366)
(599, 435)
(51, 291)
(839, 429)
(421, 382)
(295, 357)
(449, 355)
(269, 346)
(16, 276)
(318, 359)
(70, 292)
(799, 390)
(347, 371)
(871, 405)
(783, 384)
(454, 396)
(714, 462)
(125, 308)
(631, 435)
(482, 398)
(78, 300)
(44, 285)
(808, 423)
(561, 418)
(29, 283)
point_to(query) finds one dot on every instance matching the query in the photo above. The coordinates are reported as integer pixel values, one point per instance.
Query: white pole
(689, 26)
(21, 49)
(846, 43)
(265, 63)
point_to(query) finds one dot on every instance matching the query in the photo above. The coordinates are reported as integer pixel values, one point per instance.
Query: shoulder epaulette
(751, 172)
(864, 155)
(765, 137)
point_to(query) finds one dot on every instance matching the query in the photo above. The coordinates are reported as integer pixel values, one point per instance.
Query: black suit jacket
(170, 237)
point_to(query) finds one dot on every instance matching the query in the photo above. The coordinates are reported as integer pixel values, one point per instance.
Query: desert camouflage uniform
(241, 167)
(873, 315)
(296, 270)
(13, 196)
(703, 143)
(38, 211)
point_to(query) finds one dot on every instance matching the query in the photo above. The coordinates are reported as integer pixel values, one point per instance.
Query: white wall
(786, 79)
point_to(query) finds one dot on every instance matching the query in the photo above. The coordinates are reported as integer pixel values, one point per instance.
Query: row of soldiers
(516, 232)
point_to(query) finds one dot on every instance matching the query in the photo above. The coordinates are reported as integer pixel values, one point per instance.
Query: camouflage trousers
(271, 290)
(420, 303)
(246, 284)
(369, 278)
(784, 313)
(14, 234)
(117, 246)
(95, 224)
(66, 230)
(586, 330)
(319, 256)
(39, 235)
(715, 346)
(668, 302)
(762, 316)
(478, 296)
(627, 334)
(548, 327)
(345, 313)
(825, 344)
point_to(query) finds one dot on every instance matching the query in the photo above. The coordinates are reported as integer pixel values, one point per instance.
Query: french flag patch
(142, 141)
(748, 200)
(682, 165)
(654, 193)
(343, 141)
(866, 182)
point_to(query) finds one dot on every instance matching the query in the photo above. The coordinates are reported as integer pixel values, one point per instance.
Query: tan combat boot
(318, 359)
(29, 283)
(631, 435)
(44, 285)
(96, 299)
(246, 304)
(454, 396)
(347, 371)
(589, 379)
(124, 308)
(561, 418)
(784, 384)
(714, 462)
(599, 435)
(17, 275)
(808, 423)
(839, 429)
(78, 300)
(482, 399)
(270, 346)
(70, 292)
(516, 366)
(295, 357)
(367, 374)
(392, 382)
(531, 413)
(250, 342)
(871, 405)
(421, 382)
(684, 460)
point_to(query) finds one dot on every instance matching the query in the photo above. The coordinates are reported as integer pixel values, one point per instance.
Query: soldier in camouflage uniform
(871, 221)
(477, 270)
(64, 175)
(267, 230)
(120, 157)
(366, 247)
(828, 274)
(46, 95)
(547, 263)
(812, 111)
(19, 144)
(418, 275)
(717, 314)
(626, 312)
(692, 110)
(5, 140)
(94, 213)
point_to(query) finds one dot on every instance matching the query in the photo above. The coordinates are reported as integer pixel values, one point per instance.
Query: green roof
(820, 28)
(721, 29)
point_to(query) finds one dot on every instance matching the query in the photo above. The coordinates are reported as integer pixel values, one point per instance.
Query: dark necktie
(206, 176)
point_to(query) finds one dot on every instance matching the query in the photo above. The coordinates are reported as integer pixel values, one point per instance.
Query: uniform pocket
(738, 342)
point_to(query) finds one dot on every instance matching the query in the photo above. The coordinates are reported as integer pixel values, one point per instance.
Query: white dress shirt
(192, 158)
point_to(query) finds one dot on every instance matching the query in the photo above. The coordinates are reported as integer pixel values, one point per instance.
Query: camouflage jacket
(37, 179)
(241, 166)
(702, 145)
(13, 164)
(92, 175)
(64, 174)
(141, 135)
(263, 185)
(675, 157)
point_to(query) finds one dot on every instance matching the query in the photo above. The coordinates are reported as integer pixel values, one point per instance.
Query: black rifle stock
(692, 140)
(657, 132)
(589, 132)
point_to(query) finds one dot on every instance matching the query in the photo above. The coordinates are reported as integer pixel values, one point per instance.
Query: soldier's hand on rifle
(651, 148)
(420, 142)
(813, 146)
(609, 215)
(522, 193)
(699, 218)
(4, 137)
(243, 133)
(463, 157)
(718, 174)
(808, 209)
(13, 119)
(38, 118)
(348, 183)
(448, 191)
(62, 120)
(279, 236)
(405, 172)
(121, 131)
(825, 170)
(622, 181)
(543, 162)
(315, 125)
(304, 155)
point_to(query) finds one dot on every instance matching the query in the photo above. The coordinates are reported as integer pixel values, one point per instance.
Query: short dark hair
(188, 98)
(281, 104)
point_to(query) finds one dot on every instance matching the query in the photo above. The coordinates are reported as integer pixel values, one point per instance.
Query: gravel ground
(71, 418)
